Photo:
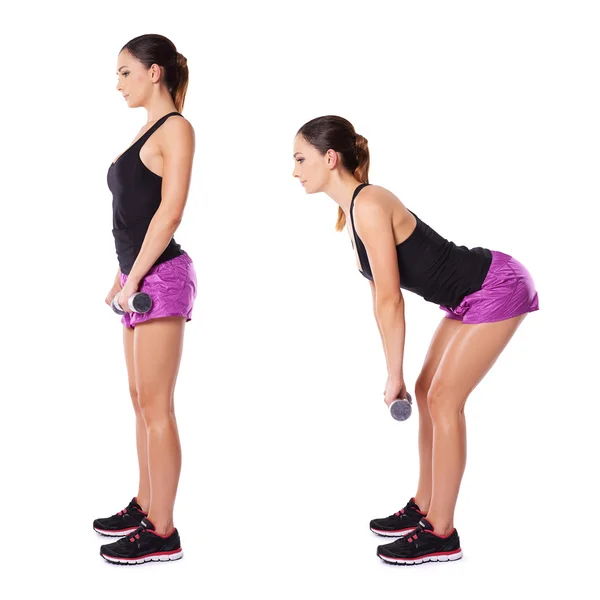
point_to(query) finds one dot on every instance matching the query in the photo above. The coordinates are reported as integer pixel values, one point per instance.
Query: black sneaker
(123, 523)
(399, 523)
(421, 546)
(143, 545)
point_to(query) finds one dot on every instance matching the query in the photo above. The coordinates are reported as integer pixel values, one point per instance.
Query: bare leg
(445, 332)
(143, 495)
(467, 359)
(158, 346)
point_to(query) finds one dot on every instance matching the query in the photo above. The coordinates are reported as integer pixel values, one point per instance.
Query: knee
(154, 407)
(443, 402)
(422, 390)
(135, 400)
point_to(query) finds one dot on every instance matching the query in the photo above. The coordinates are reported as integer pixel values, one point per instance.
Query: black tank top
(431, 266)
(136, 197)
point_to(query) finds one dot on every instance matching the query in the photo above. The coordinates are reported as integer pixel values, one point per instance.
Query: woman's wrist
(132, 279)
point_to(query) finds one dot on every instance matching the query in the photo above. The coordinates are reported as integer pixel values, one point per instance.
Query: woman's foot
(420, 546)
(122, 523)
(399, 523)
(143, 545)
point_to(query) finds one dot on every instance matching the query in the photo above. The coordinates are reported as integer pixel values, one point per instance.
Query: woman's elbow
(171, 220)
(390, 301)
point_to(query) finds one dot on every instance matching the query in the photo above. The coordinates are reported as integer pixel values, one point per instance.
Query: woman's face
(312, 168)
(135, 81)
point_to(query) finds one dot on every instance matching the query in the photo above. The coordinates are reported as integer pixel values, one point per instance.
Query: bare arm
(373, 293)
(178, 154)
(116, 287)
(373, 222)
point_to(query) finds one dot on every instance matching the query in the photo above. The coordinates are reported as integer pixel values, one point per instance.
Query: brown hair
(338, 134)
(152, 49)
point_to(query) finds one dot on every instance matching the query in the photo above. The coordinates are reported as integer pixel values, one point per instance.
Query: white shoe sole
(397, 533)
(446, 557)
(120, 533)
(158, 557)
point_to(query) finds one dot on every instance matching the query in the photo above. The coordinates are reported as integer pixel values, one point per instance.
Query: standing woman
(150, 182)
(485, 295)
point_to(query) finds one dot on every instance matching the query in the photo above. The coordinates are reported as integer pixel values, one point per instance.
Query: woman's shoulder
(177, 129)
(380, 205)
(178, 124)
(376, 198)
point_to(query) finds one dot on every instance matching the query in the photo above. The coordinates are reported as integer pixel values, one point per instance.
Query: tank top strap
(358, 188)
(156, 125)
(360, 248)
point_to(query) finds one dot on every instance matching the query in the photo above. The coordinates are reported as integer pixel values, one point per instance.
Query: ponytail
(180, 89)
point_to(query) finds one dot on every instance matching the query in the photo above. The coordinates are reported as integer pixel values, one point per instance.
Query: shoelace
(135, 535)
(414, 535)
(126, 510)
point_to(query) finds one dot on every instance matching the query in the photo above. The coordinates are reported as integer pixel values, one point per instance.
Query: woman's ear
(331, 158)
(155, 73)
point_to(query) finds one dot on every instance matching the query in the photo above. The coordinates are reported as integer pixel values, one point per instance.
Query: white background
(481, 116)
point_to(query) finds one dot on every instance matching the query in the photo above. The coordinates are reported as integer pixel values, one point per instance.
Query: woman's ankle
(144, 502)
(441, 527)
(423, 502)
(162, 527)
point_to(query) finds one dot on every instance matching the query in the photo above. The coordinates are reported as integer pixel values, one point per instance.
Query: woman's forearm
(379, 329)
(158, 236)
(390, 318)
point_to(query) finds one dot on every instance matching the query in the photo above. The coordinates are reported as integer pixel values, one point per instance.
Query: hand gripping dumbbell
(139, 302)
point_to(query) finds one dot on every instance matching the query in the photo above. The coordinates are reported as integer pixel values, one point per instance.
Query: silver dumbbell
(401, 408)
(139, 302)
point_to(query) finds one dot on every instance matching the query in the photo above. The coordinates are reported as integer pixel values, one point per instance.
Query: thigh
(468, 357)
(157, 355)
(128, 337)
(443, 335)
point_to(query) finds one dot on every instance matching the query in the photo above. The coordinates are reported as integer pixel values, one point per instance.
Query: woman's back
(431, 266)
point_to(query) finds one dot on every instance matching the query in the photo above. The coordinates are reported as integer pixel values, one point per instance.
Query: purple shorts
(172, 287)
(507, 291)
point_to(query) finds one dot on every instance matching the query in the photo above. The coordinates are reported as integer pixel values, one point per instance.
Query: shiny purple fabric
(508, 290)
(172, 285)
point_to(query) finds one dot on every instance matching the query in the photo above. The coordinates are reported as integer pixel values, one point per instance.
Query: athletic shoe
(399, 523)
(421, 546)
(123, 523)
(143, 545)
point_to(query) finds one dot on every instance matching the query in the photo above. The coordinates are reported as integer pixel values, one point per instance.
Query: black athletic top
(136, 197)
(431, 266)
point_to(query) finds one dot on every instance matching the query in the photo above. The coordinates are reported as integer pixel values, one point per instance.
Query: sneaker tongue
(425, 524)
(148, 524)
